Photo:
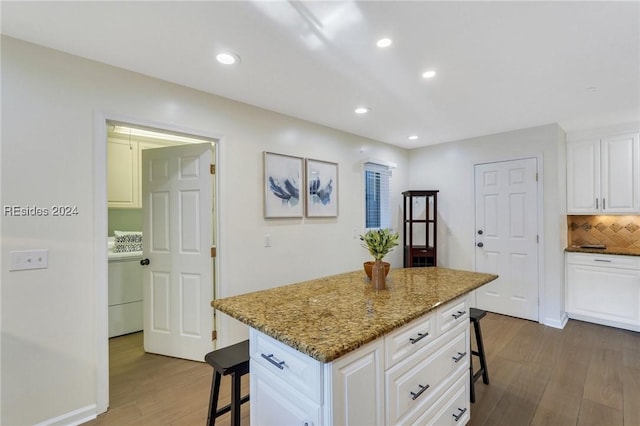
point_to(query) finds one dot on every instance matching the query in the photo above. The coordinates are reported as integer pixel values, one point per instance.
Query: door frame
(100, 230)
(540, 217)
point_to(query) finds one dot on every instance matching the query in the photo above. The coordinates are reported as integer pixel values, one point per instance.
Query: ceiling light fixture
(227, 58)
(413, 137)
(429, 74)
(384, 42)
(362, 110)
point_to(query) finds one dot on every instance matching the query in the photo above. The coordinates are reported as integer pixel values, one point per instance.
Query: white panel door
(506, 196)
(178, 235)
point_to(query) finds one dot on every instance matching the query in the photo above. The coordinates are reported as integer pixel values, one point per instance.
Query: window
(377, 181)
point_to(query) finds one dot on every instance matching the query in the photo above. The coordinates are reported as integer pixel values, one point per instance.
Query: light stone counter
(329, 317)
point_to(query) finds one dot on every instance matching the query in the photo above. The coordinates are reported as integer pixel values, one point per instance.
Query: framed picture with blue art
(322, 188)
(283, 179)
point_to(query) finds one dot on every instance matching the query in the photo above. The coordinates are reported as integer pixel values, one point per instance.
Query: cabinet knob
(480, 232)
(480, 244)
(144, 262)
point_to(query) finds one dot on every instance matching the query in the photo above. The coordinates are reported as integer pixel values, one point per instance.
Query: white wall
(49, 101)
(450, 168)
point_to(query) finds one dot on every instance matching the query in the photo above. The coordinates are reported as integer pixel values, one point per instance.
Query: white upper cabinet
(603, 175)
(122, 174)
(124, 158)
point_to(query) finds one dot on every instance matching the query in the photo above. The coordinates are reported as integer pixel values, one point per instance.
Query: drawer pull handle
(602, 260)
(459, 357)
(417, 339)
(269, 358)
(461, 412)
(458, 314)
(414, 395)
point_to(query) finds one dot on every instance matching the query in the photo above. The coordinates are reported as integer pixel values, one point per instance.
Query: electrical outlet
(29, 259)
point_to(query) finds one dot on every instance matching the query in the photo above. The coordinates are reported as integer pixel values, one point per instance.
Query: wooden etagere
(420, 228)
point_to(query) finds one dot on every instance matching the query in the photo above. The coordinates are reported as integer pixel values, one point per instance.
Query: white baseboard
(73, 418)
(557, 323)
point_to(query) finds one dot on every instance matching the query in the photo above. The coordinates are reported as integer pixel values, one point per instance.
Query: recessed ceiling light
(362, 110)
(384, 42)
(413, 137)
(429, 74)
(227, 58)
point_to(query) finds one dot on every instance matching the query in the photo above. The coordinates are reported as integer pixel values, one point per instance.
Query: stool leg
(213, 399)
(472, 389)
(235, 399)
(483, 359)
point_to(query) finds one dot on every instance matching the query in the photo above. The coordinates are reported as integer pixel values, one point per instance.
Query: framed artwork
(283, 177)
(321, 188)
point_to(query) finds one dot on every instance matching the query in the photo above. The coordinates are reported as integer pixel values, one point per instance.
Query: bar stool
(475, 315)
(232, 360)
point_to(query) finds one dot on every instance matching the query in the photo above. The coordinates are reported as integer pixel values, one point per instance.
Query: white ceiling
(501, 65)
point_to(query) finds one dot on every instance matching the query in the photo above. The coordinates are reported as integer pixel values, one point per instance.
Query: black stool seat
(475, 315)
(232, 360)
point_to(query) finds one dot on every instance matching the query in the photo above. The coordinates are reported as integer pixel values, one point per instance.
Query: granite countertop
(624, 251)
(330, 317)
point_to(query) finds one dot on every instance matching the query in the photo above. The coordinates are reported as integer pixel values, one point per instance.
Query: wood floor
(585, 374)
(146, 389)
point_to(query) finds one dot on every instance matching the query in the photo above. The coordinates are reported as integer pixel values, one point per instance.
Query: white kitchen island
(334, 351)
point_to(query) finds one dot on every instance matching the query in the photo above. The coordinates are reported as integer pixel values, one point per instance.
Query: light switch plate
(29, 259)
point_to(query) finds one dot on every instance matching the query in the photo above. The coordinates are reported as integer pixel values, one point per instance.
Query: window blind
(377, 183)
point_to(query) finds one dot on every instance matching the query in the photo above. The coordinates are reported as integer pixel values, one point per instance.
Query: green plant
(379, 242)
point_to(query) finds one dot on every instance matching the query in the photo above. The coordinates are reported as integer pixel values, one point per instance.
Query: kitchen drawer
(452, 314)
(453, 408)
(301, 371)
(605, 260)
(416, 382)
(408, 339)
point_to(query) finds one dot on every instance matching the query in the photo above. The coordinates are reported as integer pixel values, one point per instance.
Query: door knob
(480, 244)
(144, 262)
(479, 231)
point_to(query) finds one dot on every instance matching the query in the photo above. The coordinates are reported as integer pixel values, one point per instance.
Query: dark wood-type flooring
(585, 374)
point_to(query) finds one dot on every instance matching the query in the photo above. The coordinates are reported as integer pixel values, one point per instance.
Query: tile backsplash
(612, 231)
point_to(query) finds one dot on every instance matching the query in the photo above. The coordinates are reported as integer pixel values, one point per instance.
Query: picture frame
(283, 186)
(321, 187)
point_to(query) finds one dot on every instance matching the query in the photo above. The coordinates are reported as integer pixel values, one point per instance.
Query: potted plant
(379, 242)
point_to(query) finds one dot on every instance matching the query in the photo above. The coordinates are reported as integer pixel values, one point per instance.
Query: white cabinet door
(122, 174)
(603, 175)
(620, 174)
(358, 386)
(583, 176)
(607, 296)
(275, 403)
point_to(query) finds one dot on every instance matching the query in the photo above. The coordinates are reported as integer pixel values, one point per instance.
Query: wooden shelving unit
(420, 228)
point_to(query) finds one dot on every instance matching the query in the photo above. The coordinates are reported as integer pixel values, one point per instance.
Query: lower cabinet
(425, 380)
(604, 289)
(125, 296)
(276, 403)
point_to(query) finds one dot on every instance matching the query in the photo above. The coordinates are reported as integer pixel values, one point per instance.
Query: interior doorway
(126, 145)
(507, 236)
